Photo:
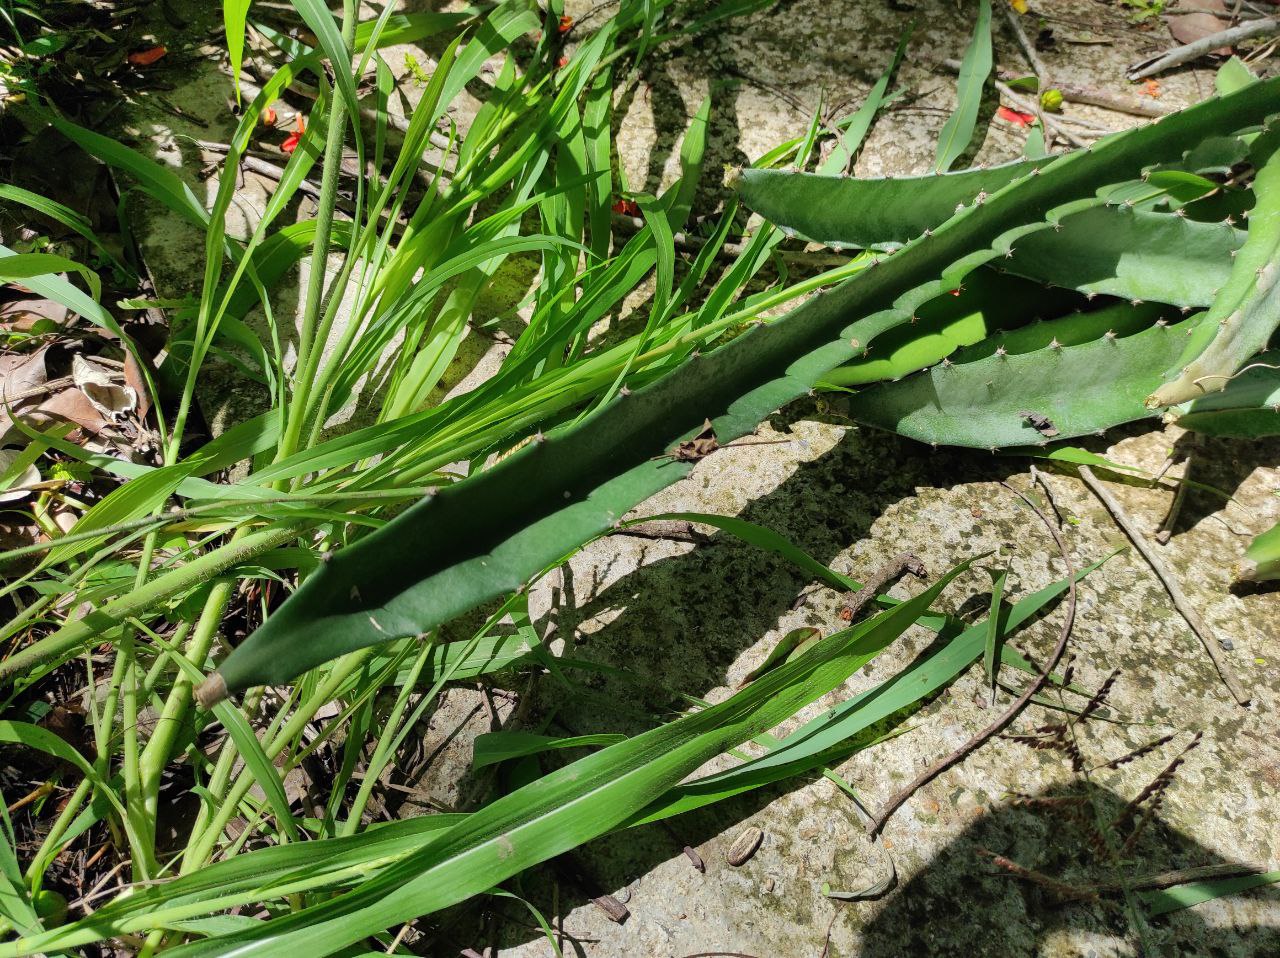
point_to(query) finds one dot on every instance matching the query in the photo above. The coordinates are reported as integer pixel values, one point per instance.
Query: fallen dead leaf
(28, 477)
(137, 382)
(1199, 23)
(15, 533)
(69, 405)
(104, 387)
(21, 315)
(20, 373)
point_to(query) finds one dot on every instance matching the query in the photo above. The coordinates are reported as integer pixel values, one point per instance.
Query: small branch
(1185, 875)
(1165, 532)
(665, 530)
(48, 386)
(252, 75)
(1032, 690)
(1088, 95)
(1220, 14)
(1059, 889)
(272, 171)
(1092, 96)
(1052, 127)
(1037, 476)
(1028, 48)
(1092, 891)
(1033, 57)
(1205, 45)
(1170, 585)
(854, 601)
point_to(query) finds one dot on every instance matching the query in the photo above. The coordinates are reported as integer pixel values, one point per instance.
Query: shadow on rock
(964, 903)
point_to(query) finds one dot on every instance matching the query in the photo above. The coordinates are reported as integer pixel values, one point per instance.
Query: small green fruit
(1051, 100)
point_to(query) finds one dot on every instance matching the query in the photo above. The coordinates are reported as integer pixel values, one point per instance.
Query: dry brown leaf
(70, 405)
(20, 315)
(20, 373)
(64, 519)
(28, 477)
(16, 533)
(1190, 27)
(135, 380)
(104, 387)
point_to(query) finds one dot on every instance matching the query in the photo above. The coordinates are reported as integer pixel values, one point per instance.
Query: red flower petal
(144, 58)
(566, 24)
(1015, 116)
(291, 142)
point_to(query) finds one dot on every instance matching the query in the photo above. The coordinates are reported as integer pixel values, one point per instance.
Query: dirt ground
(698, 618)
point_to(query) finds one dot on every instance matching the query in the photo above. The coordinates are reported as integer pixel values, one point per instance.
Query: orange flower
(268, 117)
(144, 58)
(1151, 88)
(562, 62)
(1015, 116)
(626, 207)
(566, 24)
(291, 142)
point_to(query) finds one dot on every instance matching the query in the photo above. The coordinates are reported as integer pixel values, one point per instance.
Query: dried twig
(675, 530)
(1052, 128)
(1093, 890)
(48, 386)
(906, 562)
(1093, 96)
(1028, 48)
(1238, 13)
(1037, 476)
(1031, 690)
(1165, 532)
(1060, 889)
(1033, 58)
(1205, 45)
(1170, 584)
(1184, 875)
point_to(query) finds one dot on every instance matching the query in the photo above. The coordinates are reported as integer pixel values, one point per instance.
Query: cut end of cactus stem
(211, 691)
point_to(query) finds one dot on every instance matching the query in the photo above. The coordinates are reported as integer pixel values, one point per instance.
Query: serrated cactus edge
(489, 534)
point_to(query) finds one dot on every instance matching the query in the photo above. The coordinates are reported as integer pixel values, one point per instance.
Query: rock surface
(696, 619)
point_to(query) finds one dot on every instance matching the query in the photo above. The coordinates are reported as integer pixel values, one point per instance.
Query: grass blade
(995, 634)
(235, 14)
(487, 535)
(572, 805)
(808, 746)
(859, 124)
(958, 131)
(1165, 900)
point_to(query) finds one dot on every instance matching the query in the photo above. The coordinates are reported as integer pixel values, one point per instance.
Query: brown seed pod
(744, 846)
